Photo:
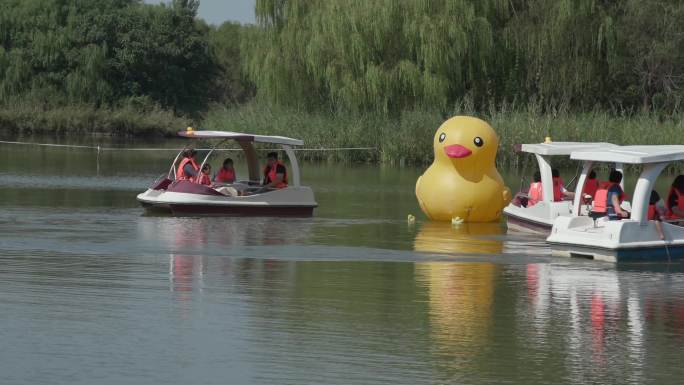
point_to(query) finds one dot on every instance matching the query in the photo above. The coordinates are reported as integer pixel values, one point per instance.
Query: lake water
(94, 292)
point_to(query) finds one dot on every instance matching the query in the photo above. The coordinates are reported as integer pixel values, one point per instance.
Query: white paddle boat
(539, 217)
(186, 197)
(632, 239)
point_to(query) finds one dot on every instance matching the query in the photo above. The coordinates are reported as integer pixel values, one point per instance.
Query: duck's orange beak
(456, 151)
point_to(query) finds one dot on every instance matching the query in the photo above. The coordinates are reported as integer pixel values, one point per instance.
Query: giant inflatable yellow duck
(463, 181)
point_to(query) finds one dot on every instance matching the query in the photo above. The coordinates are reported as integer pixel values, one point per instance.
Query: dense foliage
(104, 53)
(390, 55)
(375, 61)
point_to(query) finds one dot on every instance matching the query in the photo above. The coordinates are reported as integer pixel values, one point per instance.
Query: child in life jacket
(187, 168)
(675, 199)
(227, 173)
(534, 194)
(609, 196)
(590, 185)
(656, 212)
(559, 190)
(203, 177)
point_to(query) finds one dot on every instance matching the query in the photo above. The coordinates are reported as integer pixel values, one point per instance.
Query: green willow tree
(391, 55)
(383, 55)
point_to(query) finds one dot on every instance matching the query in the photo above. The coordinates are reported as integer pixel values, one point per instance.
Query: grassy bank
(408, 138)
(123, 121)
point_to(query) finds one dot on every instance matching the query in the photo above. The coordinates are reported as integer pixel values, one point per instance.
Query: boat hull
(637, 254)
(616, 241)
(538, 218)
(227, 210)
(290, 201)
(519, 223)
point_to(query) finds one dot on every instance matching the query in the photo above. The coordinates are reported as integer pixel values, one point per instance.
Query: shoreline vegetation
(402, 139)
(407, 138)
(336, 77)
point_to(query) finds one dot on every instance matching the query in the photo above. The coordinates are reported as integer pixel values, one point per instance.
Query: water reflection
(596, 304)
(465, 239)
(336, 299)
(460, 307)
(189, 240)
(220, 234)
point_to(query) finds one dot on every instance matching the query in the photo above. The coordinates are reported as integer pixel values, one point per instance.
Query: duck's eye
(478, 141)
(442, 136)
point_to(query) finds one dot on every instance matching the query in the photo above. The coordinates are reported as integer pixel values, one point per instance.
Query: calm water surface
(94, 292)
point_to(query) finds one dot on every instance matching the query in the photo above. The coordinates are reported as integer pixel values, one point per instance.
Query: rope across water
(100, 148)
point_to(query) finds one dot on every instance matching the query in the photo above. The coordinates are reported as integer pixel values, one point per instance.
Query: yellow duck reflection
(460, 301)
(460, 294)
(467, 238)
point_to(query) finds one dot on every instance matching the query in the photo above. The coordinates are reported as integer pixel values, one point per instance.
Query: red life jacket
(270, 174)
(202, 179)
(652, 212)
(680, 203)
(590, 187)
(535, 193)
(601, 198)
(180, 174)
(225, 176)
(557, 193)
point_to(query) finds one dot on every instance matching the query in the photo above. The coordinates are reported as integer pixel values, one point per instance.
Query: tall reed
(407, 137)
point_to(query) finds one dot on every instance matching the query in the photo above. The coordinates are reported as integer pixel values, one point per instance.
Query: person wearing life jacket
(535, 193)
(203, 177)
(609, 196)
(227, 173)
(590, 185)
(275, 173)
(656, 212)
(675, 199)
(559, 190)
(187, 168)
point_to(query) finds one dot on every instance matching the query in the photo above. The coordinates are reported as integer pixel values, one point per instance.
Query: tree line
(390, 55)
(383, 56)
(109, 53)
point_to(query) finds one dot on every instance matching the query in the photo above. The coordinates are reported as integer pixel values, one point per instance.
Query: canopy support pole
(546, 178)
(642, 191)
(577, 203)
(293, 164)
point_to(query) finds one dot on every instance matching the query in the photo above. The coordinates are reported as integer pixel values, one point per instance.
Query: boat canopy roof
(632, 154)
(239, 136)
(561, 148)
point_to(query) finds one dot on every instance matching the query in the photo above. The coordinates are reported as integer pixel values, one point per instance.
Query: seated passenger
(275, 173)
(675, 199)
(227, 173)
(204, 175)
(609, 196)
(590, 185)
(187, 168)
(656, 212)
(559, 190)
(534, 194)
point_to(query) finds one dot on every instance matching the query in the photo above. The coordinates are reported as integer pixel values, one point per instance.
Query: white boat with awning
(540, 217)
(633, 239)
(186, 197)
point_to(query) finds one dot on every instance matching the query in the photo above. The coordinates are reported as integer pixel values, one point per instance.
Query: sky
(218, 11)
